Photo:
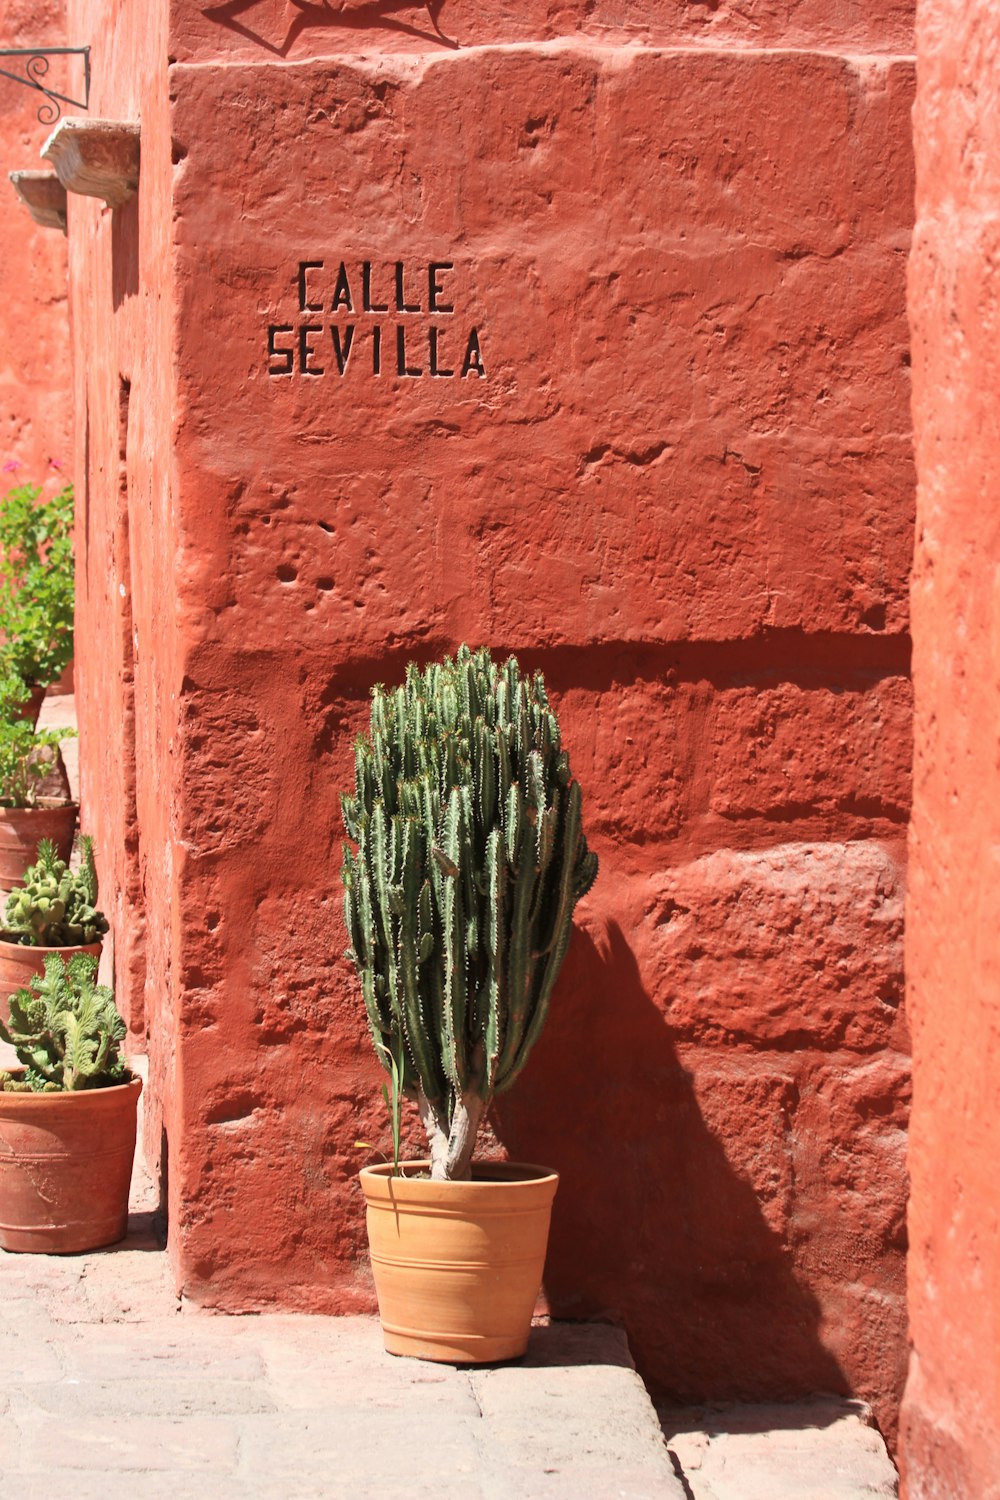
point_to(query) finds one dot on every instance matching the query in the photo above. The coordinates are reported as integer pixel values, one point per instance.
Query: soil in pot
(458, 1265)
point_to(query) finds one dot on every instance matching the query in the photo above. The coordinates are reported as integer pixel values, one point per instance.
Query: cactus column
(459, 900)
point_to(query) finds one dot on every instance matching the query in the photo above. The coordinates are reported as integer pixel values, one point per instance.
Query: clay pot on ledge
(23, 828)
(19, 961)
(33, 703)
(65, 1168)
(458, 1265)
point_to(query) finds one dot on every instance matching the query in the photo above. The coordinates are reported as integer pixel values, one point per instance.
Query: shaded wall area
(673, 469)
(126, 681)
(36, 408)
(952, 1409)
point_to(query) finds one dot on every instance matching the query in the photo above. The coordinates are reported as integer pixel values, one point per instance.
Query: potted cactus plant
(67, 1116)
(459, 901)
(27, 757)
(55, 909)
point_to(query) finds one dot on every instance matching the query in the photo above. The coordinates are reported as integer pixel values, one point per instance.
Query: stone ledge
(43, 195)
(98, 158)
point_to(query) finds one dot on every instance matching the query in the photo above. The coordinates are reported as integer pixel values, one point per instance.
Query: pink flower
(11, 466)
(55, 463)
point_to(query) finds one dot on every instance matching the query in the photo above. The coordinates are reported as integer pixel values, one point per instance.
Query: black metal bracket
(36, 67)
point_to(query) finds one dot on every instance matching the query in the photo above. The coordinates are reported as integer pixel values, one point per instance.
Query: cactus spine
(459, 898)
(57, 907)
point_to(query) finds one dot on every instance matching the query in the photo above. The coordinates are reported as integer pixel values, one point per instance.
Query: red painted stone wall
(36, 415)
(952, 1411)
(127, 677)
(681, 485)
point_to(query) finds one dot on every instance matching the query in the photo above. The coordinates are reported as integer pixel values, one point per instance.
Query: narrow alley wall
(583, 337)
(952, 1412)
(126, 676)
(36, 408)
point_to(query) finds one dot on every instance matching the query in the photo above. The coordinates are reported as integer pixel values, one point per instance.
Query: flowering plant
(36, 583)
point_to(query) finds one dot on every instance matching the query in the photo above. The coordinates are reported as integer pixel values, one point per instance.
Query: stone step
(826, 1448)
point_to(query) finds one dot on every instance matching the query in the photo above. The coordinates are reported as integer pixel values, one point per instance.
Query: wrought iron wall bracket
(36, 66)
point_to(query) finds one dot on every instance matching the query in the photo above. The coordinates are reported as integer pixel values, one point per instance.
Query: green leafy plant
(66, 1031)
(24, 762)
(459, 897)
(56, 907)
(36, 583)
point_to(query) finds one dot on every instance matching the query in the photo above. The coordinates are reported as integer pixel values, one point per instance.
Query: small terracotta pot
(21, 831)
(18, 962)
(458, 1265)
(33, 706)
(65, 1168)
(65, 682)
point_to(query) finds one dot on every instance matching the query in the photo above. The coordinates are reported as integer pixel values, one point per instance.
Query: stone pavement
(109, 1391)
(112, 1390)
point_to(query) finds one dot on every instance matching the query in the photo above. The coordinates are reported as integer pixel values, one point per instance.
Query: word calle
(341, 324)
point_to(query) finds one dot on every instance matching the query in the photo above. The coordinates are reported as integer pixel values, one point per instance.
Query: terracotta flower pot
(65, 1168)
(22, 829)
(18, 963)
(458, 1265)
(33, 707)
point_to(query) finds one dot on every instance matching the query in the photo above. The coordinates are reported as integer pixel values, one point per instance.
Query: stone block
(751, 290)
(179, 1446)
(850, 1155)
(347, 26)
(789, 750)
(795, 945)
(814, 1450)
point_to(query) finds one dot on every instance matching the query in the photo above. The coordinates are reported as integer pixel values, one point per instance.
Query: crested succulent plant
(459, 898)
(56, 907)
(66, 1031)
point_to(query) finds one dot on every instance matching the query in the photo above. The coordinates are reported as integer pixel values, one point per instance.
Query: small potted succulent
(459, 902)
(55, 909)
(67, 1116)
(27, 758)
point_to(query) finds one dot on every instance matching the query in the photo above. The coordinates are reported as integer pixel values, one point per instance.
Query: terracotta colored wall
(126, 679)
(952, 1422)
(36, 416)
(682, 487)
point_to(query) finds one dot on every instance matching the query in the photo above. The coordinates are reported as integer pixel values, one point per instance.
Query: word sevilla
(406, 348)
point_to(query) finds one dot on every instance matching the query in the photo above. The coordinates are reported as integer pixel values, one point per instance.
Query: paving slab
(824, 1449)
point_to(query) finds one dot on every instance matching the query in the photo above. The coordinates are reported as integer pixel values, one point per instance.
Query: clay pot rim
(44, 804)
(491, 1175)
(37, 1101)
(6, 934)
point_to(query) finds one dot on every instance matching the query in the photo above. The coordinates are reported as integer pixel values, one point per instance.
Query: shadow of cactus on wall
(676, 1243)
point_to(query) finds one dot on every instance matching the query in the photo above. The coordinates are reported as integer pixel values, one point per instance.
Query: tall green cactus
(459, 898)
(57, 907)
